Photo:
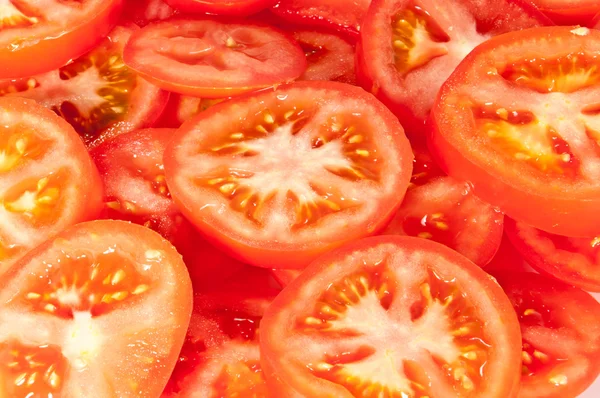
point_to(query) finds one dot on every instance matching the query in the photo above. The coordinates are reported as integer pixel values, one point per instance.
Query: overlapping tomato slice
(281, 176)
(391, 316)
(99, 310)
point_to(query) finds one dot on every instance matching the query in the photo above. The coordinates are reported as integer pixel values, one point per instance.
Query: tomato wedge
(569, 12)
(391, 316)
(221, 7)
(207, 58)
(48, 182)
(525, 130)
(100, 310)
(142, 12)
(560, 325)
(97, 94)
(408, 48)
(280, 176)
(38, 36)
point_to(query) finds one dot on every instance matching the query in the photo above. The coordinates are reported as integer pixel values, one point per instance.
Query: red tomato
(142, 12)
(100, 310)
(133, 173)
(446, 211)
(281, 176)
(206, 58)
(575, 261)
(560, 325)
(48, 180)
(221, 7)
(409, 48)
(569, 12)
(391, 316)
(524, 129)
(97, 94)
(341, 15)
(38, 36)
(220, 357)
(329, 57)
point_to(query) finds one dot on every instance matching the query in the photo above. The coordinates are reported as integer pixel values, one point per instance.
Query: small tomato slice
(569, 12)
(408, 48)
(207, 58)
(40, 35)
(575, 261)
(47, 179)
(391, 316)
(560, 326)
(100, 310)
(142, 12)
(280, 176)
(97, 94)
(525, 129)
(221, 7)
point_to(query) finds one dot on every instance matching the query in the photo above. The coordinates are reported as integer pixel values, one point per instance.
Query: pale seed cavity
(37, 202)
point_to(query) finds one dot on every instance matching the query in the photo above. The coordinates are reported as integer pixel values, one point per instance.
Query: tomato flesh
(569, 12)
(220, 7)
(143, 12)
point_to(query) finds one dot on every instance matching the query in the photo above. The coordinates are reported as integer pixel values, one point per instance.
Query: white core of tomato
(82, 341)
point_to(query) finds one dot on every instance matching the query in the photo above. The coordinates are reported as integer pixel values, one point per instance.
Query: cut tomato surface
(560, 326)
(47, 179)
(100, 310)
(525, 130)
(207, 58)
(280, 176)
(575, 261)
(222, 7)
(391, 316)
(408, 48)
(142, 12)
(329, 57)
(446, 211)
(569, 12)
(97, 94)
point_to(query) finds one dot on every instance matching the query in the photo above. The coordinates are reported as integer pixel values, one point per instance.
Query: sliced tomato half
(391, 316)
(222, 7)
(525, 129)
(280, 176)
(408, 48)
(560, 326)
(47, 179)
(569, 12)
(211, 59)
(37, 36)
(97, 94)
(100, 310)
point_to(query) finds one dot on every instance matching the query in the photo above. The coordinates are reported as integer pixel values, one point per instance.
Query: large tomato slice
(569, 12)
(221, 7)
(408, 48)
(207, 58)
(391, 316)
(40, 35)
(97, 94)
(525, 129)
(560, 325)
(100, 310)
(283, 175)
(47, 180)
(575, 261)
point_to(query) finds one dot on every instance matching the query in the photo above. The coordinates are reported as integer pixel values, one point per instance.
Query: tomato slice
(142, 12)
(560, 325)
(37, 36)
(207, 58)
(329, 57)
(391, 316)
(47, 180)
(409, 48)
(279, 177)
(99, 310)
(221, 7)
(135, 190)
(97, 94)
(525, 130)
(569, 12)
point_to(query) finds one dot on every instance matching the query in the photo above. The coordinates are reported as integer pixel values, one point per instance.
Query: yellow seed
(119, 296)
(236, 136)
(21, 145)
(502, 113)
(129, 206)
(530, 311)
(471, 355)
(33, 296)
(324, 366)
(20, 379)
(288, 115)
(153, 254)
(559, 380)
(54, 380)
(94, 273)
(424, 235)
(107, 279)
(336, 127)
(31, 83)
(312, 321)
(565, 157)
(527, 360)
(459, 373)
(595, 242)
(400, 45)
(13, 364)
(41, 184)
(113, 205)
(467, 383)
(269, 118)
(230, 42)
(262, 129)
(461, 331)
(227, 188)
(362, 152)
(140, 289)
(355, 139)
(31, 379)
(540, 355)
(117, 277)
(50, 307)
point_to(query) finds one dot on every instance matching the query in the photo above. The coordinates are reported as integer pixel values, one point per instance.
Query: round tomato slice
(408, 48)
(575, 261)
(391, 316)
(446, 211)
(97, 94)
(207, 58)
(142, 12)
(40, 35)
(100, 310)
(329, 57)
(560, 326)
(221, 7)
(47, 180)
(280, 176)
(525, 129)
(569, 12)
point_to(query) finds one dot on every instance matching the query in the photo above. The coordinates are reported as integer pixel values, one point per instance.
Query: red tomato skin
(219, 7)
